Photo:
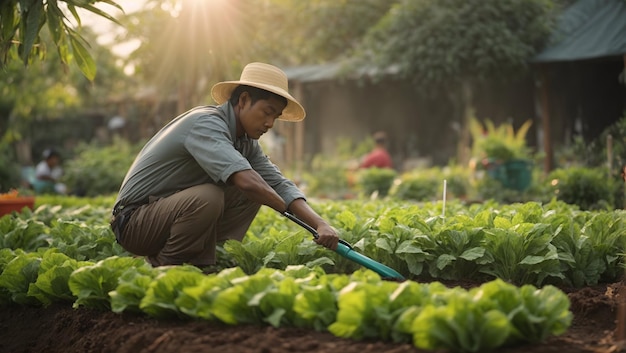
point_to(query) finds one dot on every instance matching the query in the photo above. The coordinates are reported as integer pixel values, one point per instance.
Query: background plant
(427, 184)
(99, 170)
(331, 175)
(377, 180)
(499, 143)
(589, 188)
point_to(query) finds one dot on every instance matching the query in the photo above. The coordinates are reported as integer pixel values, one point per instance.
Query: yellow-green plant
(500, 143)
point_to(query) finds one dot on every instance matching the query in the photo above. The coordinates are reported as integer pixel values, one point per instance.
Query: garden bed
(60, 328)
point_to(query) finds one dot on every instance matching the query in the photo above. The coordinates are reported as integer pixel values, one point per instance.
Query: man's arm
(327, 235)
(257, 190)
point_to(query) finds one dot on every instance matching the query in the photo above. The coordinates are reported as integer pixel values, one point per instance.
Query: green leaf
(316, 305)
(473, 253)
(17, 276)
(32, 21)
(231, 305)
(160, 297)
(54, 273)
(101, 13)
(85, 62)
(444, 260)
(91, 284)
(132, 286)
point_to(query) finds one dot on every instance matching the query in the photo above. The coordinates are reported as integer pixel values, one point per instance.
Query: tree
(186, 46)
(43, 91)
(315, 31)
(451, 45)
(21, 22)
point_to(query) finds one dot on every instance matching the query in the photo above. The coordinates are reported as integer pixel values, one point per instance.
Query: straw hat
(266, 77)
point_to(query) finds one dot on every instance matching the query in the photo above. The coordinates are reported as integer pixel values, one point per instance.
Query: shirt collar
(228, 110)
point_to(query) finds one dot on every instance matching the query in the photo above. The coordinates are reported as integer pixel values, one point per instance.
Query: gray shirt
(200, 146)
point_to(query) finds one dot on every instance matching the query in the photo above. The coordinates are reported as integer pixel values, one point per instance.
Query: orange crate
(16, 204)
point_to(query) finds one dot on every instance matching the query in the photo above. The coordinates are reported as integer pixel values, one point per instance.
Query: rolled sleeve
(272, 175)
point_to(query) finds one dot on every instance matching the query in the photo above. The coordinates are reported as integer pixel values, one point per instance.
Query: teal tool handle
(345, 249)
(313, 231)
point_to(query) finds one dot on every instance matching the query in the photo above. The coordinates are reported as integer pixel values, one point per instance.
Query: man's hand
(327, 237)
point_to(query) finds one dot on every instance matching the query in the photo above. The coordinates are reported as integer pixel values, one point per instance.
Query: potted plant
(503, 152)
(12, 201)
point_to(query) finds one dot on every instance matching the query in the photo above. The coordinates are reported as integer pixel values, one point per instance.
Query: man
(48, 172)
(378, 157)
(203, 177)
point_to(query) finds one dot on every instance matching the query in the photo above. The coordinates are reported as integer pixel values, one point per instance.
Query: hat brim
(294, 111)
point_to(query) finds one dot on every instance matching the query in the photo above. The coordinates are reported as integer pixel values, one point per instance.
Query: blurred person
(203, 177)
(379, 156)
(48, 172)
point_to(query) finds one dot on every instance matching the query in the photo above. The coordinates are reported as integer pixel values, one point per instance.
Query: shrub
(589, 188)
(9, 169)
(330, 175)
(99, 170)
(375, 180)
(427, 184)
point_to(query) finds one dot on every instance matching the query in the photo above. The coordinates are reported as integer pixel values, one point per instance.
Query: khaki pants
(185, 227)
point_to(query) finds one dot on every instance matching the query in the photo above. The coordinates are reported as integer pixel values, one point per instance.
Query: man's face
(256, 119)
(53, 161)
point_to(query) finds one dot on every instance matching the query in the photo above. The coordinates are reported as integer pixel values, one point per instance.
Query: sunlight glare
(203, 38)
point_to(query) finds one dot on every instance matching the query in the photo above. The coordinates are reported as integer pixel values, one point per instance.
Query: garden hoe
(345, 249)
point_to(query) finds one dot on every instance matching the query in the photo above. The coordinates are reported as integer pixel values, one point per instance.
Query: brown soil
(59, 328)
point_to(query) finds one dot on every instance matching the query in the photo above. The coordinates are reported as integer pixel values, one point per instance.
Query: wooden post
(463, 152)
(609, 154)
(545, 118)
(298, 156)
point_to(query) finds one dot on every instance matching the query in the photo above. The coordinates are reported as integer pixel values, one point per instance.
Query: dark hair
(380, 137)
(256, 94)
(50, 152)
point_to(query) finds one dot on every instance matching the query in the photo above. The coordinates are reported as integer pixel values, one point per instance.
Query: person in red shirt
(379, 157)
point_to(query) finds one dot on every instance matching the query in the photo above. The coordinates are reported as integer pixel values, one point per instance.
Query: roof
(310, 73)
(588, 29)
(333, 71)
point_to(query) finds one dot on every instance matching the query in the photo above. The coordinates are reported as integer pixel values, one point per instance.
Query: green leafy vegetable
(91, 284)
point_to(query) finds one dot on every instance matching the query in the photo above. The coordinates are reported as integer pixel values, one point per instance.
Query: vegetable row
(357, 306)
(525, 243)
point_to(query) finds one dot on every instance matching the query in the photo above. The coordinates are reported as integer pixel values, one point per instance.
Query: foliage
(377, 180)
(416, 187)
(524, 243)
(223, 48)
(427, 184)
(17, 275)
(594, 153)
(489, 188)
(9, 170)
(22, 22)
(520, 244)
(422, 39)
(99, 170)
(45, 105)
(349, 20)
(329, 175)
(53, 277)
(589, 188)
(499, 143)
(358, 306)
